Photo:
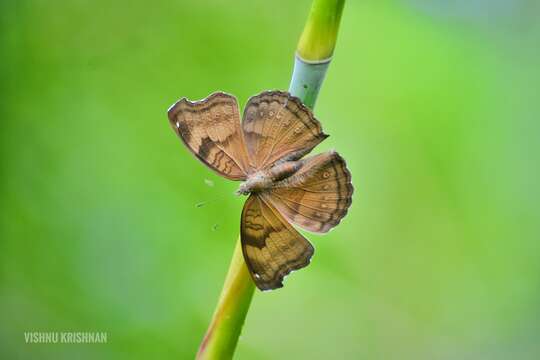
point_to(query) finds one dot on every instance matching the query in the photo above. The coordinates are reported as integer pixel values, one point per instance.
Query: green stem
(313, 56)
(318, 39)
(222, 334)
(307, 79)
(315, 50)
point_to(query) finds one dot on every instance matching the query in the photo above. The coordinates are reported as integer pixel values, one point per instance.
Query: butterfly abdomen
(266, 179)
(284, 170)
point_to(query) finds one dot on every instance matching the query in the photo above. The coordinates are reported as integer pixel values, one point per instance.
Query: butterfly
(266, 152)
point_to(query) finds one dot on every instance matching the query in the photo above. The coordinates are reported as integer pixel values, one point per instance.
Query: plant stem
(315, 50)
(222, 334)
(313, 56)
(318, 39)
(307, 79)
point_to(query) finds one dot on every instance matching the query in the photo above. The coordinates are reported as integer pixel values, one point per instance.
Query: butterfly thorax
(265, 179)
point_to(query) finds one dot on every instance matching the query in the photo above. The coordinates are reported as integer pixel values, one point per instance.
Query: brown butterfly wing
(210, 128)
(272, 247)
(277, 126)
(318, 196)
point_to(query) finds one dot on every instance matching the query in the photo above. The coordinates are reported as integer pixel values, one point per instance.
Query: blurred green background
(434, 104)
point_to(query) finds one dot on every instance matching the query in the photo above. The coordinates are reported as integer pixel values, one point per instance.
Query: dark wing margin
(210, 128)
(277, 126)
(272, 247)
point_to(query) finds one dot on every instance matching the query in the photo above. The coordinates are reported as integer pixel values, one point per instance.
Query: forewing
(272, 247)
(210, 128)
(277, 126)
(318, 196)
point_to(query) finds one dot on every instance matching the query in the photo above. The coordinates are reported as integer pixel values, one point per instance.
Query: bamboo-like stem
(313, 56)
(315, 49)
(318, 39)
(224, 330)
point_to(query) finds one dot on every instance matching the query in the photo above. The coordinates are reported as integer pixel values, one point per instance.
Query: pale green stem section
(307, 79)
(313, 57)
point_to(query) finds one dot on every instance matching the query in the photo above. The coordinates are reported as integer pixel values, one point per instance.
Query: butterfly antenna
(204, 203)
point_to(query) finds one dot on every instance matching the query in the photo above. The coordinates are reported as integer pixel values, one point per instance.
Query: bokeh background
(434, 104)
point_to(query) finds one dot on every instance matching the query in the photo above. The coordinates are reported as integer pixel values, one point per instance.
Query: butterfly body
(266, 179)
(266, 152)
